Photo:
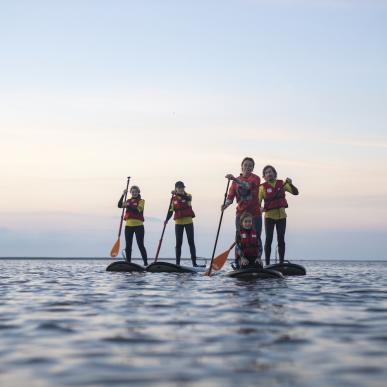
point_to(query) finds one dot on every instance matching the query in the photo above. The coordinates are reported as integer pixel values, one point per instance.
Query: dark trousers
(251, 264)
(179, 230)
(140, 232)
(280, 226)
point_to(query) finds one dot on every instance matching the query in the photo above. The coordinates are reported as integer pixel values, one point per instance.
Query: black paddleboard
(255, 272)
(124, 266)
(166, 267)
(288, 268)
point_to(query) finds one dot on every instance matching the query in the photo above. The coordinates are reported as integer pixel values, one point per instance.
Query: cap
(179, 184)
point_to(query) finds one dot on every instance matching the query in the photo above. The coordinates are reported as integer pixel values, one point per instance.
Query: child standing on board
(181, 206)
(248, 244)
(272, 192)
(134, 216)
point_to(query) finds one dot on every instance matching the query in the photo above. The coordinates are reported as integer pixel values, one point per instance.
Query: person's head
(135, 191)
(246, 220)
(247, 165)
(179, 187)
(269, 173)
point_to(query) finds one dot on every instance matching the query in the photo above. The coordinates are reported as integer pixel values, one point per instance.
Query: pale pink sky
(162, 96)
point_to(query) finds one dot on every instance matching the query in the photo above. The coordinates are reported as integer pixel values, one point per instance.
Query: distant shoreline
(173, 259)
(84, 258)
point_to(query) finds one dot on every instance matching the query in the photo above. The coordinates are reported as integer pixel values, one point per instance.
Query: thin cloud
(276, 134)
(363, 144)
(319, 3)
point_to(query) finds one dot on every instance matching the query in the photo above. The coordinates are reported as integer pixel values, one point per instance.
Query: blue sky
(93, 91)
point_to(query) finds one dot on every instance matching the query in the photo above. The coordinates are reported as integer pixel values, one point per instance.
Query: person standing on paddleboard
(245, 189)
(181, 206)
(272, 192)
(248, 245)
(134, 216)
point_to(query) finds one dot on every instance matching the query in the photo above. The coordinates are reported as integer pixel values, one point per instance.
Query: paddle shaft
(123, 208)
(220, 223)
(162, 234)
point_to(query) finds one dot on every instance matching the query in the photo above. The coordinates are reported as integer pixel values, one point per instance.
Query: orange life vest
(133, 213)
(182, 208)
(274, 196)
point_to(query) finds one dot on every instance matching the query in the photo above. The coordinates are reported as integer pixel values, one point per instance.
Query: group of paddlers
(249, 194)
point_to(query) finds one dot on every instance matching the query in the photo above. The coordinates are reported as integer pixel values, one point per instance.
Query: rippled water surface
(71, 323)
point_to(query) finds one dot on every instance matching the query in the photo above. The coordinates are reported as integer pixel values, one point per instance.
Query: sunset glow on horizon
(93, 92)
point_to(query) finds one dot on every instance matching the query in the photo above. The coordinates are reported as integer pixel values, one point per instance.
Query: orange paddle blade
(115, 249)
(219, 261)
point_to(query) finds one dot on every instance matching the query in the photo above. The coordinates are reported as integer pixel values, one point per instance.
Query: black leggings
(140, 232)
(280, 225)
(179, 230)
(251, 264)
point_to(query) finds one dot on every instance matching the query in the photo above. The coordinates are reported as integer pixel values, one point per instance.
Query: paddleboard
(167, 267)
(124, 266)
(288, 268)
(255, 272)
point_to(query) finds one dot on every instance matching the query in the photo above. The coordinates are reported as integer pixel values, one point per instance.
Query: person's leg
(258, 225)
(281, 228)
(258, 229)
(179, 241)
(269, 229)
(237, 222)
(128, 240)
(140, 233)
(252, 263)
(236, 265)
(189, 229)
(237, 228)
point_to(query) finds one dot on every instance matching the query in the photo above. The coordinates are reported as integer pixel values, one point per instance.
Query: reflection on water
(72, 323)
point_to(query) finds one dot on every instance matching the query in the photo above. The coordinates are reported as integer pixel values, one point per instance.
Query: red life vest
(182, 208)
(249, 202)
(133, 213)
(274, 196)
(249, 243)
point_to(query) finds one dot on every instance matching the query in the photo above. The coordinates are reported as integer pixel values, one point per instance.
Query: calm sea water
(71, 323)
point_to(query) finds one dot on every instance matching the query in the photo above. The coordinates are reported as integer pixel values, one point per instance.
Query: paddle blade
(115, 249)
(218, 262)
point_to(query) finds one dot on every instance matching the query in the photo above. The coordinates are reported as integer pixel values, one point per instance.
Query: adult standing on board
(245, 189)
(134, 217)
(182, 207)
(272, 192)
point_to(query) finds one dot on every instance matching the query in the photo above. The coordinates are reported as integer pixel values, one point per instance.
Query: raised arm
(231, 193)
(289, 187)
(120, 202)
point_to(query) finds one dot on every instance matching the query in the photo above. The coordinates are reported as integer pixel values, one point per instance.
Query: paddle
(219, 261)
(162, 234)
(208, 272)
(116, 247)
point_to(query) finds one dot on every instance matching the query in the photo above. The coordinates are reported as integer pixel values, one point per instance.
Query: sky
(94, 91)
